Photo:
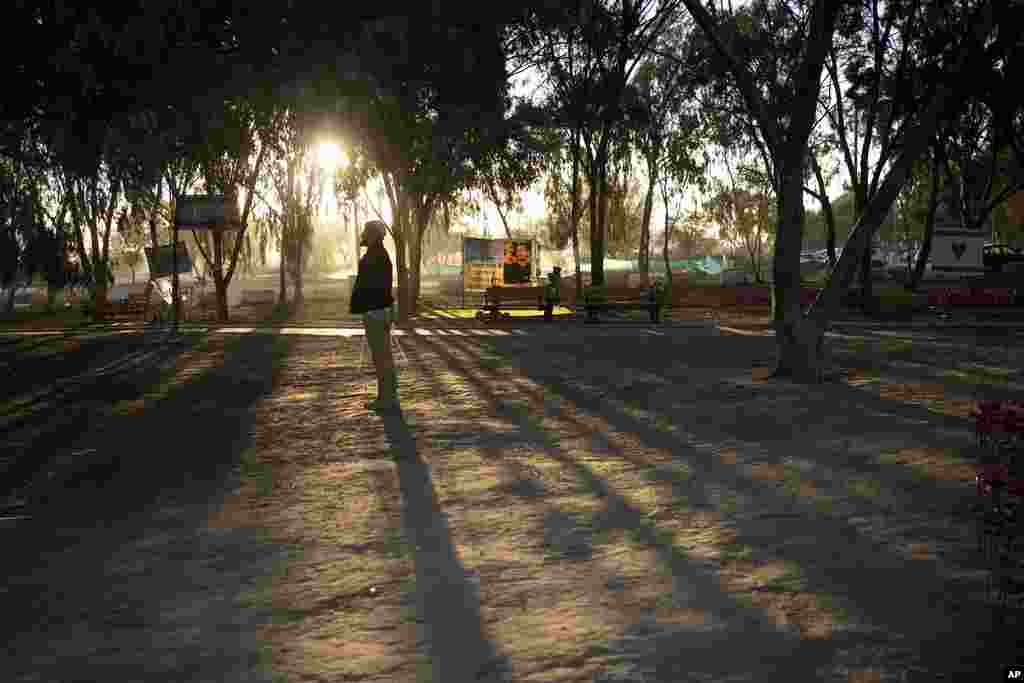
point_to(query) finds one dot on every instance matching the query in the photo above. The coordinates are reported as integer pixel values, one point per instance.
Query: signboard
(956, 251)
(481, 263)
(518, 262)
(480, 276)
(482, 251)
(163, 264)
(500, 262)
(205, 212)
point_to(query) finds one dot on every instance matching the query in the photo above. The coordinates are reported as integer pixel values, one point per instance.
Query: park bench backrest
(622, 293)
(514, 294)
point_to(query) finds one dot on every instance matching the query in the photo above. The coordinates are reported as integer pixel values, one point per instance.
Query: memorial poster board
(163, 264)
(518, 262)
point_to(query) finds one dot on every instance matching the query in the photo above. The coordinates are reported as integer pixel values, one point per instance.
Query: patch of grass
(790, 581)
(791, 481)
(601, 535)
(864, 487)
(855, 345)
(736, 552)
(890, 295)
(895, 345)
(974, 374)
(836, 606)
(675, 473)
(395, 545)
(261, 474)
(729, 503)
(824, 504)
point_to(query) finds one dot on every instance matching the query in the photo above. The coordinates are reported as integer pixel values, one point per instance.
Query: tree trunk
(424, 214)
(576, 258)
(597, 240)
(664, 247)
(415, 266)
(355, 233)
(914, 281)
(753, 253)
(402, 268)
(643, 258)
(220, 282)
(802, 346)
(221, 289)
(865, 278)
(592, 201)
(830, 217)
(153, 216)
(282, 286)
(497, 205)
(300, 296)
(99, 296)
(798, 349)
(574, 215)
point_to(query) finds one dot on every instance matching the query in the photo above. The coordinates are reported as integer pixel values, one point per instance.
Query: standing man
(371, 297)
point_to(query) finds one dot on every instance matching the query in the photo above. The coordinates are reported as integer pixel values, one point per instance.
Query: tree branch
(743, 77)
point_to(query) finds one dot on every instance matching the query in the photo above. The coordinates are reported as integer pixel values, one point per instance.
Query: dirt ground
(556, 503)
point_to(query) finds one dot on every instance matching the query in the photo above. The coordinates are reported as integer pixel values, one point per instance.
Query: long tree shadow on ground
(892, 592)
(450, 607)
(59, 405)
(756, 643)
(120, 578)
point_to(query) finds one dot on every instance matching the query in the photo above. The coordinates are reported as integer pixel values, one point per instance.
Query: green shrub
(281, 310)
(895, 296)
(595, 293)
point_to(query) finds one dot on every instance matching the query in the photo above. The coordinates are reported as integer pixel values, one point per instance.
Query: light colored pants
(377, 324)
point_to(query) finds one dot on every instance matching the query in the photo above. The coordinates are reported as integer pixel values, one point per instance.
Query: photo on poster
(518, 262)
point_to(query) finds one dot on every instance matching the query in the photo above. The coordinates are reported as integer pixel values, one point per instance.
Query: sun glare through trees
(330, 156)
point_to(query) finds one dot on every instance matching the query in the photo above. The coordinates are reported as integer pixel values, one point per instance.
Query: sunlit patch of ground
(938, 464)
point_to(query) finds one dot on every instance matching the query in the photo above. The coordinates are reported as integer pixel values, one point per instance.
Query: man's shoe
(380, 406)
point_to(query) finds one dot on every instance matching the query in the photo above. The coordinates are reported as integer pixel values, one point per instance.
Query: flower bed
(968, 296)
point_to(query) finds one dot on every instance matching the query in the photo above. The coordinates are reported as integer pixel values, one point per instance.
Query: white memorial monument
(956, 251)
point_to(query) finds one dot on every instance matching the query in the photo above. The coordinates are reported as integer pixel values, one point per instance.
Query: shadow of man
(448, 604)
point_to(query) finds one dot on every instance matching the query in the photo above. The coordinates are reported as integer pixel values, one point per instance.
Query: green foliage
(625, 216)
(746, 222)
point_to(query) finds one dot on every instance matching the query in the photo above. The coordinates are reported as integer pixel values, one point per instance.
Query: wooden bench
(135, 306)
(500, 299)
(622, 298)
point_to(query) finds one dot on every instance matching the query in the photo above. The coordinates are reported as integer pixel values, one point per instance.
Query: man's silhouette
(371, 297)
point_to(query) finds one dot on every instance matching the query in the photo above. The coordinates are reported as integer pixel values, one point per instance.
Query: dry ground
(558, 503)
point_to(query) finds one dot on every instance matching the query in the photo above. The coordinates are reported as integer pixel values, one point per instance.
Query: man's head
(373, 233)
